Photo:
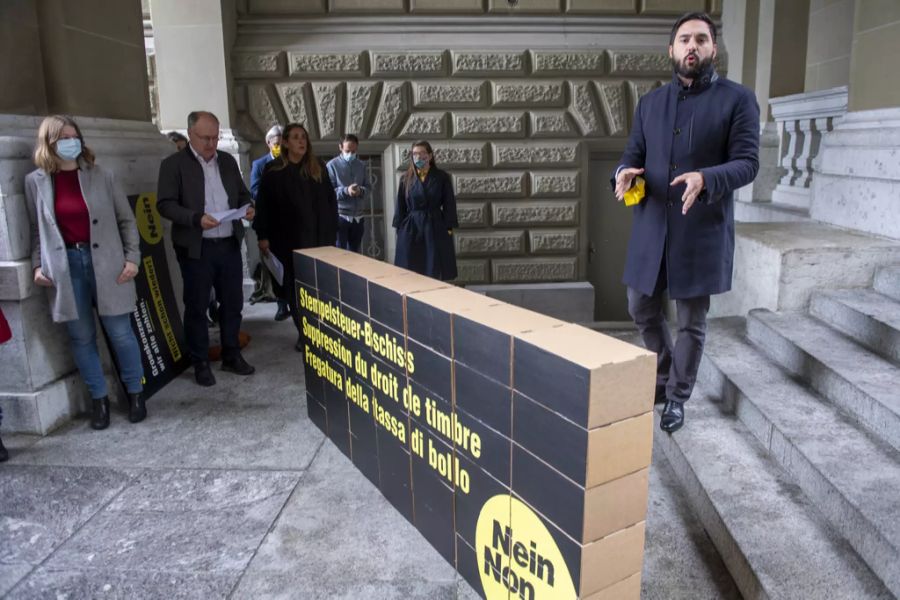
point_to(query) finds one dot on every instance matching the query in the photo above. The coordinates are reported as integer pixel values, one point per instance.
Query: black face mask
(700, 68)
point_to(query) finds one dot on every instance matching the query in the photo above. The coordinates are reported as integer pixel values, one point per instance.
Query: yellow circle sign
(517, 555)
(149, 223)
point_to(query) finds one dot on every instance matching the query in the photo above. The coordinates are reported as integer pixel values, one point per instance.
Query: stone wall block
(408, 64)
(555, 183)
(15, 225)
(524, 6)
(583, 63)
(488, 124)
(264, 107)
(604, 7)
(552, 124)
(613, 101)
(329, 98)
(528, 154)
(647, 64)
(318, 64)
(472, 270)
(367, 6)
(451, 94)
(472, 214)
(489, 185)
(426, 125)
(522, 270)
(534, 212)
(443, 6)
(553, 241)
(286, 6)
(38, 352)
(584, 108)
(16, 280)
(298, 103)
(392, 110)
(489, 243)
(529, 93)
(487, 63)
(449, 155)
(259, 64)
(361, 101)
(671, 7)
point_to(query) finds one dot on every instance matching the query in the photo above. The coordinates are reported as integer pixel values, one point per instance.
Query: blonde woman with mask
(85, 251)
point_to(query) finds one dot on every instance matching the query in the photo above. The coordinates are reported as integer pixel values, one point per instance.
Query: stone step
(851, 477)
(778, 265)
(887, 281)
(867, 316)
(768, 212)
(860, 383)
(771, 538)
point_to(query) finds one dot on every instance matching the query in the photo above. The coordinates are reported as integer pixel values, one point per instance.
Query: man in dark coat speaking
(694, 141)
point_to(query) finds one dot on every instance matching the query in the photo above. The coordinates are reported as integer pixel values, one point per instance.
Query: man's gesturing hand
(208, 221)
(624, 179)
(694, 182)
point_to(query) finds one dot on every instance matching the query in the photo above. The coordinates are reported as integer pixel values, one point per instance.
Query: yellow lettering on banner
(160, 306)
(449, 426)
(357, 394)
(525, 562)
(387, 346)
(331, 345)
(448, 467)
(323, 368)
(385, 381)
(395, 426)
(331, 314)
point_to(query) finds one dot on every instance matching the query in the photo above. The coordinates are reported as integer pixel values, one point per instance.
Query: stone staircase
(791, 452)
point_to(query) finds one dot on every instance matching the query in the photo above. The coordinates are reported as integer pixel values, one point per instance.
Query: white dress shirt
(215, 196)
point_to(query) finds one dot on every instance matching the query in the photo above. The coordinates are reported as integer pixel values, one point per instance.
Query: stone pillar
(874, 69)
(193, 42)
(89, 63)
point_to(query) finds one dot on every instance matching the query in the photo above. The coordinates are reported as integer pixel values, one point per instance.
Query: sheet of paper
(231, 215)
(274, 266)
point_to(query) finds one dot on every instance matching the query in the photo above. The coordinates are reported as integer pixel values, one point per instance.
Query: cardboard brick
(482, 487)
(338, 413)
(590, 378)
(305, 269)
(494, 451)
(482, 338)
(353, 278)
(429, 315)
(386, 296)
(433, 502)
(363, 438)
(587, 457)
(316, 412)
(585, 514)
(627, 589)
(394, 474)
(467, 566)
(432, 371)
(388, 346)
(479, 395)
(327, 280)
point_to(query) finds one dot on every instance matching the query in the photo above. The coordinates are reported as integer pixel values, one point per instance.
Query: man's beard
(700, 66)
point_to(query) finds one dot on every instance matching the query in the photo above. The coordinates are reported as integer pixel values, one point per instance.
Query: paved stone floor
(230, 491)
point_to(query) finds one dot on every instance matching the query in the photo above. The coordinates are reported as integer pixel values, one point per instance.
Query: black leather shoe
(137, 409)
(4, 453)
(660, 397)
(282, 313)
(204, 375)
(238, 365)
(100, 413)
(672, 416)
(299, 345)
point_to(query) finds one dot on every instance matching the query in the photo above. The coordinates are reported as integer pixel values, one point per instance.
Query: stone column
(89, 63)
(193, 42)
(874, 69)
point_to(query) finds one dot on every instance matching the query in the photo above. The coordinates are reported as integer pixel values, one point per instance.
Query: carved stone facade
(510, 126)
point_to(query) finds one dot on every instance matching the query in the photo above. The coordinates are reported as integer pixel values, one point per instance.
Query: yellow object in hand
(635, 193)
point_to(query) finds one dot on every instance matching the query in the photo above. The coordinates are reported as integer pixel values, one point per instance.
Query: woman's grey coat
(114, 240)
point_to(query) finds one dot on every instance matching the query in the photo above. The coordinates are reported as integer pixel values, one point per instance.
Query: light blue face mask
(69, 148)
(420, 163)
(348, 156)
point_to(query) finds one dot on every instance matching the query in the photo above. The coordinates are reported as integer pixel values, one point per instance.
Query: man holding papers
(201, 191)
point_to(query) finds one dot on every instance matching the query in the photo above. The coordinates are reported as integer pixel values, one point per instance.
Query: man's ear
(670, 50)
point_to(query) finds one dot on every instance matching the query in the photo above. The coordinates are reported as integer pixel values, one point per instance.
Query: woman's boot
(137, 410)
(100, 413)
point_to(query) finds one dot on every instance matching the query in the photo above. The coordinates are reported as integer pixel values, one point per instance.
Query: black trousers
(219, 267)
(350, 234)
(288, 290)
(677, 364)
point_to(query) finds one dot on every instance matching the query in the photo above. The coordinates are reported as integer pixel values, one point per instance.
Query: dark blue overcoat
(423, 218)
(713, 128)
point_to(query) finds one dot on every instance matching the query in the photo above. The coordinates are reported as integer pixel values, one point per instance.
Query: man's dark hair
(176, 137)
(693, 16)
(195, 115)
(349, 137)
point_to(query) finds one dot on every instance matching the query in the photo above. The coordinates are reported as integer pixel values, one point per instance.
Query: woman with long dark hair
(85, 251)
(295, 208)
(425, 217)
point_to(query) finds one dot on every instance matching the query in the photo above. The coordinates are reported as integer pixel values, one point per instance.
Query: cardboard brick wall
(518, 445)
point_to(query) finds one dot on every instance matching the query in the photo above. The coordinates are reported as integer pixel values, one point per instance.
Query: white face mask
(348, 156)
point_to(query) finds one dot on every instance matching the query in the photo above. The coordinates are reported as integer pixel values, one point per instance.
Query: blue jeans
(83, 332)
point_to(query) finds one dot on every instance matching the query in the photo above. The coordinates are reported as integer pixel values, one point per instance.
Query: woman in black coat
(295, 207)
(425, 217)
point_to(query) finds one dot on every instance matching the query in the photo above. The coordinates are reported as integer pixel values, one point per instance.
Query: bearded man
(694, 141)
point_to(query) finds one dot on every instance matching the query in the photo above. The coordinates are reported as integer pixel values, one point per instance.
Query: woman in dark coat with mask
(295, 207)
(425, 217)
